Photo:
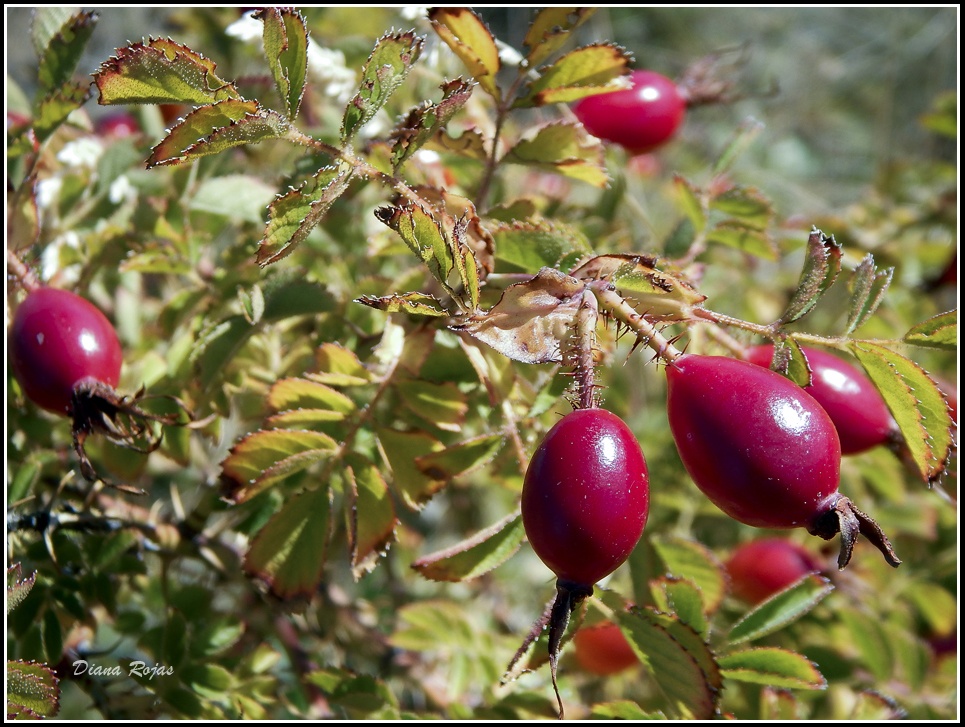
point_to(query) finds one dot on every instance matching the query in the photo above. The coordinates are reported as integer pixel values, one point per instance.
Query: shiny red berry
(58, 340)
(763, 450)
(602, 649)
(760, 568)
(640, 118)
(860, 415)
(586, 496)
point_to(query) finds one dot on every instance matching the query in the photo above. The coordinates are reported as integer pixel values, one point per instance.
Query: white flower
(121, 190)
(83, 152)
(246, 28)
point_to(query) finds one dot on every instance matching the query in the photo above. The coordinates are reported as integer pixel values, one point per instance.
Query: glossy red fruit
(763, 450)
(57, 341)
(860, 415)
(760, 568)
(586, 496)
(640, 118)
(602, 649)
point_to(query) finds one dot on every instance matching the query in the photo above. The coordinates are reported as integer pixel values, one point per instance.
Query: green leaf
(474, 556)
(356, 697)
(550, 29)
(822, 263)
(264, 458)
(790, 361)
(868, 638)
(63, 48)
(386, 68)
(469, 38)
(238, 197)
(431, 625)
(773, 667)
(916, 403)
(564, 148)
(691, 200)
(745, 135)
(424, 122)
(939, 331)
(289, 552)
(286, 49)
(17, 587)
(682, 598)
(339, 366)
(214, 128)
(461, 458)
(586, 71)
(535, 243)
(868, 286)
(400, 451)
(294, 393)
(734, 233)
(935, 604)
(942, 118)
(695, 562)
(418, 304)
(781, 609)
(746, 205)
(160, 71)
(424, 235)
(679, 660)
(54, 108)
(370, 514)
(442, 404)
(46, 22)
(296, 213)
(33, 691)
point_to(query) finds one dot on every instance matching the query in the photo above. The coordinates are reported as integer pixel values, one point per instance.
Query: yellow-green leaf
(400, 451)
(160, 71)
(550, 29)
(288, 554)
(33, 691)
(444, 405)
(736, 234)
(266, 457)
(781, 609)
(17, 587)
(370, 514)
(474, 556)
(695, 562)
(772, 666)
(535, 243)
(297, 393)
(63, 50)
(460, 458)
(469, 38)
(338, 366)
(418, 304)
(868, 286)
(916, 403)
(586, 71)
(424, 235)
(822, 263)
(564, 148)
(939, 331)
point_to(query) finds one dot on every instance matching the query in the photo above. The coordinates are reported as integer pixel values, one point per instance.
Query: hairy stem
(615, 305)
(21, 273)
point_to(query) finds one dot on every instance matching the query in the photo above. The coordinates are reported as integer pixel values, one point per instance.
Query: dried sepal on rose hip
(763, 450)
(67, 358)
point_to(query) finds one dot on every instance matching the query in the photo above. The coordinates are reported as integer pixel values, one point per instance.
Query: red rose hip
(760, 568)
(763, 450)
(602, 649)
(586, 496)
(860, 415)
(640, 118)
(58, 340)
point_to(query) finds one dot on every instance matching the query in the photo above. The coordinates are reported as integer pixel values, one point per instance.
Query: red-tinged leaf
(417, 304)
(564, 148)
(550, 30)
(773, 667)
(531, 318)
(470, 144)
(33, 690)
(780, 705)
(916, 403)
(939, 331)
(286, 49)
(23, 215)
(370, 515)
(424, 235)
(461, 458)
(400, 450)
(586, 71)
(293, 215)
(18, 587)
(469, 38)
(474, 556)
(781, 609)
(264, 458)
(790, 361)
(338, 366)
(424, 122)
(868, 286)
(386, 68)
(216, 128)
(288, 554)
(63, 49)
(54, 108)
(160, 71)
